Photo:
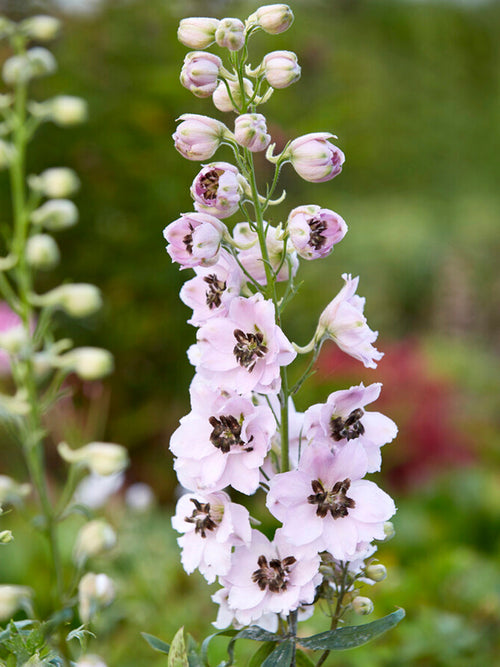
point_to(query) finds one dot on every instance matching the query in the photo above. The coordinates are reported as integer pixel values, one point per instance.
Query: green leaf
(303, 660)
(281, 656)
(193, 653)
(259, 657)
(344, 638)
(177, 656)
(155, 643)
(254, 633)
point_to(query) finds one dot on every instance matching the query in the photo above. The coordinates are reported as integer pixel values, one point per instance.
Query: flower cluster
(243, 432)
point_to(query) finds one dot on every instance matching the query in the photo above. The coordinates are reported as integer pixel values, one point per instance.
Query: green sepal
(155, 643)
(281, 656)
(177, 656)
(357, 635)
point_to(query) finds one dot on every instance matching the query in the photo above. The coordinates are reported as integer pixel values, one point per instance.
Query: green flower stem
(339, 610)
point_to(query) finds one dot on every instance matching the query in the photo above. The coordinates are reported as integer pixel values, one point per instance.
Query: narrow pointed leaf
(281, 656)
(259, 657)
(177, 656)
(344, 638)
(253, 632)
(303, 660)
(155, 643)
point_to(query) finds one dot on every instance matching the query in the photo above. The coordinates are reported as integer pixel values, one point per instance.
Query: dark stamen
(249, 347)
(188, 240)
(349, 428)
(209, 184)
(316, 238)
(274, 575)
(227, 434)
(214, 291)
(201, 517)
(335, 501)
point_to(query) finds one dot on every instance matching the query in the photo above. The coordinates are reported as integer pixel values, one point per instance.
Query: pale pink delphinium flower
(314, 230)
(217, 189)
(244, 350)
(212, 526)
(223, 441)
(213, 288)
(198, 137)
(343, 419)
(343, 321)
(281, 68)
(200, 73)
(251, 255)
(197, 32)
(314, 158)
(326, 504)
(194, 239)
(268, 577)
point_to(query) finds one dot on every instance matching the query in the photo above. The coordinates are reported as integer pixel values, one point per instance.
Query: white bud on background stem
(95, 538)
(55, 214)
(41, 28)
(102, 458)
(95, 591)
(42, 252)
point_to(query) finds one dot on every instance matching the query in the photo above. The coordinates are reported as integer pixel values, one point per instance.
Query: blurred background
(412, 89)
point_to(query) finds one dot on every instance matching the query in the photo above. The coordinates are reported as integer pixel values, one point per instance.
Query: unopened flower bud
(6, 27)
(89, 363)
(42, 252)
(34, 63)
(314, 158)
(221, 98)
(281, 68)
(57, 182)
(389, 530)
(13, 598)
(102, 458)
(197, 32)
(273, 19)
(362, 606)
(230, 34)
(90, 660)
(11, 492)
(76, 299)
(67, 110)
(14, 338)
(198, 137)
(55, 214)
(6, 537)
(200, 73)
(41, 28)
(7, 152)
(95, 538)
(250, 130)
(95, 591)
(376, 571)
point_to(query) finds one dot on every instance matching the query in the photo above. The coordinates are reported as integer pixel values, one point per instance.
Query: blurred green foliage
(413, 92)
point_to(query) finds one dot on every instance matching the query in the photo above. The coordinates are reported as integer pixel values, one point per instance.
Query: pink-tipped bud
(217, 189)
(198, 137)
(197, 32)
(250, 131)
(314, 158)
(194, 239)
(314, 231)
(281, 68)
(230, 34)
(273, 19)
(200, 72)
(221, 98)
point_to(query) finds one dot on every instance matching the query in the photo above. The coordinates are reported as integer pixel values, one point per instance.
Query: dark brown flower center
(273, 575)
(209, 184)
(316, 238)
(227, 434)
(335, 501)
(201, 517)
(214, 291)
(188, 240)
(350, 428)
(249, 347)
